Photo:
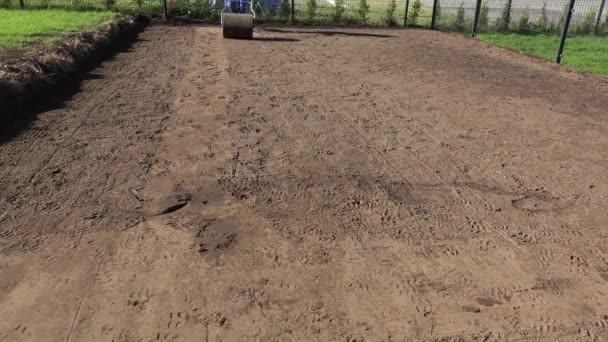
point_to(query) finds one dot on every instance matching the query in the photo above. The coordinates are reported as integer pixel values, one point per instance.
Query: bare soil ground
(329, 185)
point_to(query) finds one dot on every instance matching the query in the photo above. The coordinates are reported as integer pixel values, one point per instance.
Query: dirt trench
(314, 184)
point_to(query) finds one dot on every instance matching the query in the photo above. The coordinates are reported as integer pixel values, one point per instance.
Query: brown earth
(311, 185)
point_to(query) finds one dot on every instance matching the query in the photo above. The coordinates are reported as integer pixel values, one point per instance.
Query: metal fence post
(165, 10)
(293, 11)
(407, 7)
(505, 16)
(476, 20)
(434, 14)
(598, 20)
(562, 39)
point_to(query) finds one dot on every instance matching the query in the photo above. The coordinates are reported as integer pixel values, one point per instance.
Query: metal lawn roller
(237, 19)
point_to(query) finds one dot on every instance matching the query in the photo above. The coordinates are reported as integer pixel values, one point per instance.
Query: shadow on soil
(275, 39)
(18, 120)
(329, 33)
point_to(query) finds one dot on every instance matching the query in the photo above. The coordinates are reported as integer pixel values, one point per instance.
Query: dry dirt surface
(310, 185)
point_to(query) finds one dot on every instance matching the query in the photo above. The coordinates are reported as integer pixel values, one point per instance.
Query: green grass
(584, 52)
(18, 27)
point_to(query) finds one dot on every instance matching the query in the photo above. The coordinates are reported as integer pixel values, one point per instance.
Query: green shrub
(438, 11)
(257, 8)
(284, 10)
(339, 9)
(415, 13)
(523, 23)
(484, 17)
(562, 18)
(390, 13)
(310, 10)
(110, 4)
(504, 21)
(459, 23)
(542, 24)
(267, 14)
(363, 10)
(586, 26)
(203, 9)
(138, 3)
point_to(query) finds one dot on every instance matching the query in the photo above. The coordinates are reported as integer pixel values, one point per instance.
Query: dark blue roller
(239, 6)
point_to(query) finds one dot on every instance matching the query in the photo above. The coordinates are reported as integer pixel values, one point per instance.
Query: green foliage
(284, 9)
(268, 14)
(438, 11)
(562, 18)
(542, 24)
(203, 9)
(139, 3)
(363, 10)
(390, 13)
(484, 17)
(110, 4)
(503, 22)
(257, 7)
(310, 10)
(587, 25)
(523, 23)
(339, 9)
(415, 12)
(459, 24)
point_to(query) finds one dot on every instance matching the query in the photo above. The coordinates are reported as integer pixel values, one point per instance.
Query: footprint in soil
(487, 301)
(170, 204)
(538, 203)
(194, 199)
(214, 236)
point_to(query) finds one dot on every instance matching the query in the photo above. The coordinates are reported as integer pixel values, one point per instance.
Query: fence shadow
(329, 32)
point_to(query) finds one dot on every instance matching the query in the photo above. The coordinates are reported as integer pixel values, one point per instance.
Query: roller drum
(238, 25)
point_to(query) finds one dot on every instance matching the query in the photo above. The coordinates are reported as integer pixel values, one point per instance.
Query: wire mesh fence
(537, 27)
(458, 16)
(350, 12)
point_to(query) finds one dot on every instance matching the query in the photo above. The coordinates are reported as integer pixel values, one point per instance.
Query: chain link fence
(574, 32)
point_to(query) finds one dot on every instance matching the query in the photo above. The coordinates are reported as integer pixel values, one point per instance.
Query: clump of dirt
(30, 76)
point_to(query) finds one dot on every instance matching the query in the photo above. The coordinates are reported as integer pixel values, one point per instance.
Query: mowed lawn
(18, 27)
(584, 52)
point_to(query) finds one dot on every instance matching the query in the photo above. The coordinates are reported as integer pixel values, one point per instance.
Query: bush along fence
(573, 32)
